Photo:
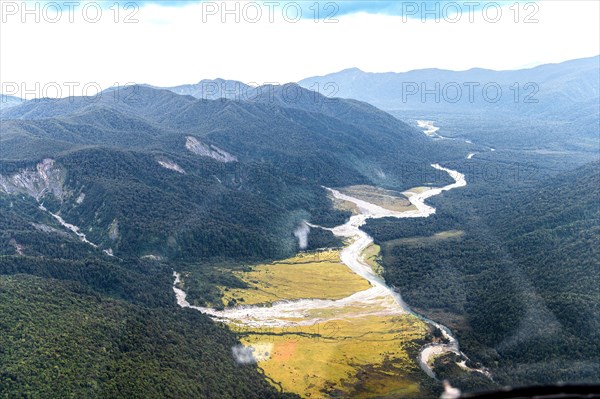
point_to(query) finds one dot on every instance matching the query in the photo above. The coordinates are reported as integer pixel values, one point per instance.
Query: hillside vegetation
(519, 286)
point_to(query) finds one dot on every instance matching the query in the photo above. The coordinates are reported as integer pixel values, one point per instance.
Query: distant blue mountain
(547, 89)
(7, 101)
(212, 89)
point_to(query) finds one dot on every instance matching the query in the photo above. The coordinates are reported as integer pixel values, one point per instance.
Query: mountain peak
(212, 89)
(352, 70)
(7, 101)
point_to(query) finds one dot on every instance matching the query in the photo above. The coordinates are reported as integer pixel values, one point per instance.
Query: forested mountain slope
(76, 322)
(149, 172)
(331, 139)
(514, 273)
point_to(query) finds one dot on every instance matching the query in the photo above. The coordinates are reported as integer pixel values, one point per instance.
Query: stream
(74, 229)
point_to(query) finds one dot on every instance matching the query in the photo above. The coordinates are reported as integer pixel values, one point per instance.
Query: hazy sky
(186, 41)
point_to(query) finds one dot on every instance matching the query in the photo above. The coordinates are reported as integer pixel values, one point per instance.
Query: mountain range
(544, 89)
(157, 164)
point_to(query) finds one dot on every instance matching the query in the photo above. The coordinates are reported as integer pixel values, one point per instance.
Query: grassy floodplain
(368, 357)
(310, 275)
(354, 352)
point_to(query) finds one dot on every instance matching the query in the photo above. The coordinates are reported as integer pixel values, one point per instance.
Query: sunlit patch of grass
(449, 234)
(372, 257)
(388, 199)
(315, 275)
(443, 235)
(344, 205)
(360, 357)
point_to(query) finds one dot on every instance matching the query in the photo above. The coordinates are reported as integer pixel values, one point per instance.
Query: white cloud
(172, 45)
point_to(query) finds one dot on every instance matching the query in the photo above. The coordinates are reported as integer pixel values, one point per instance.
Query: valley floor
(325, 324)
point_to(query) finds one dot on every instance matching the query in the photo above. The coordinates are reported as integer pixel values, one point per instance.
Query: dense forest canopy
(519, 285)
